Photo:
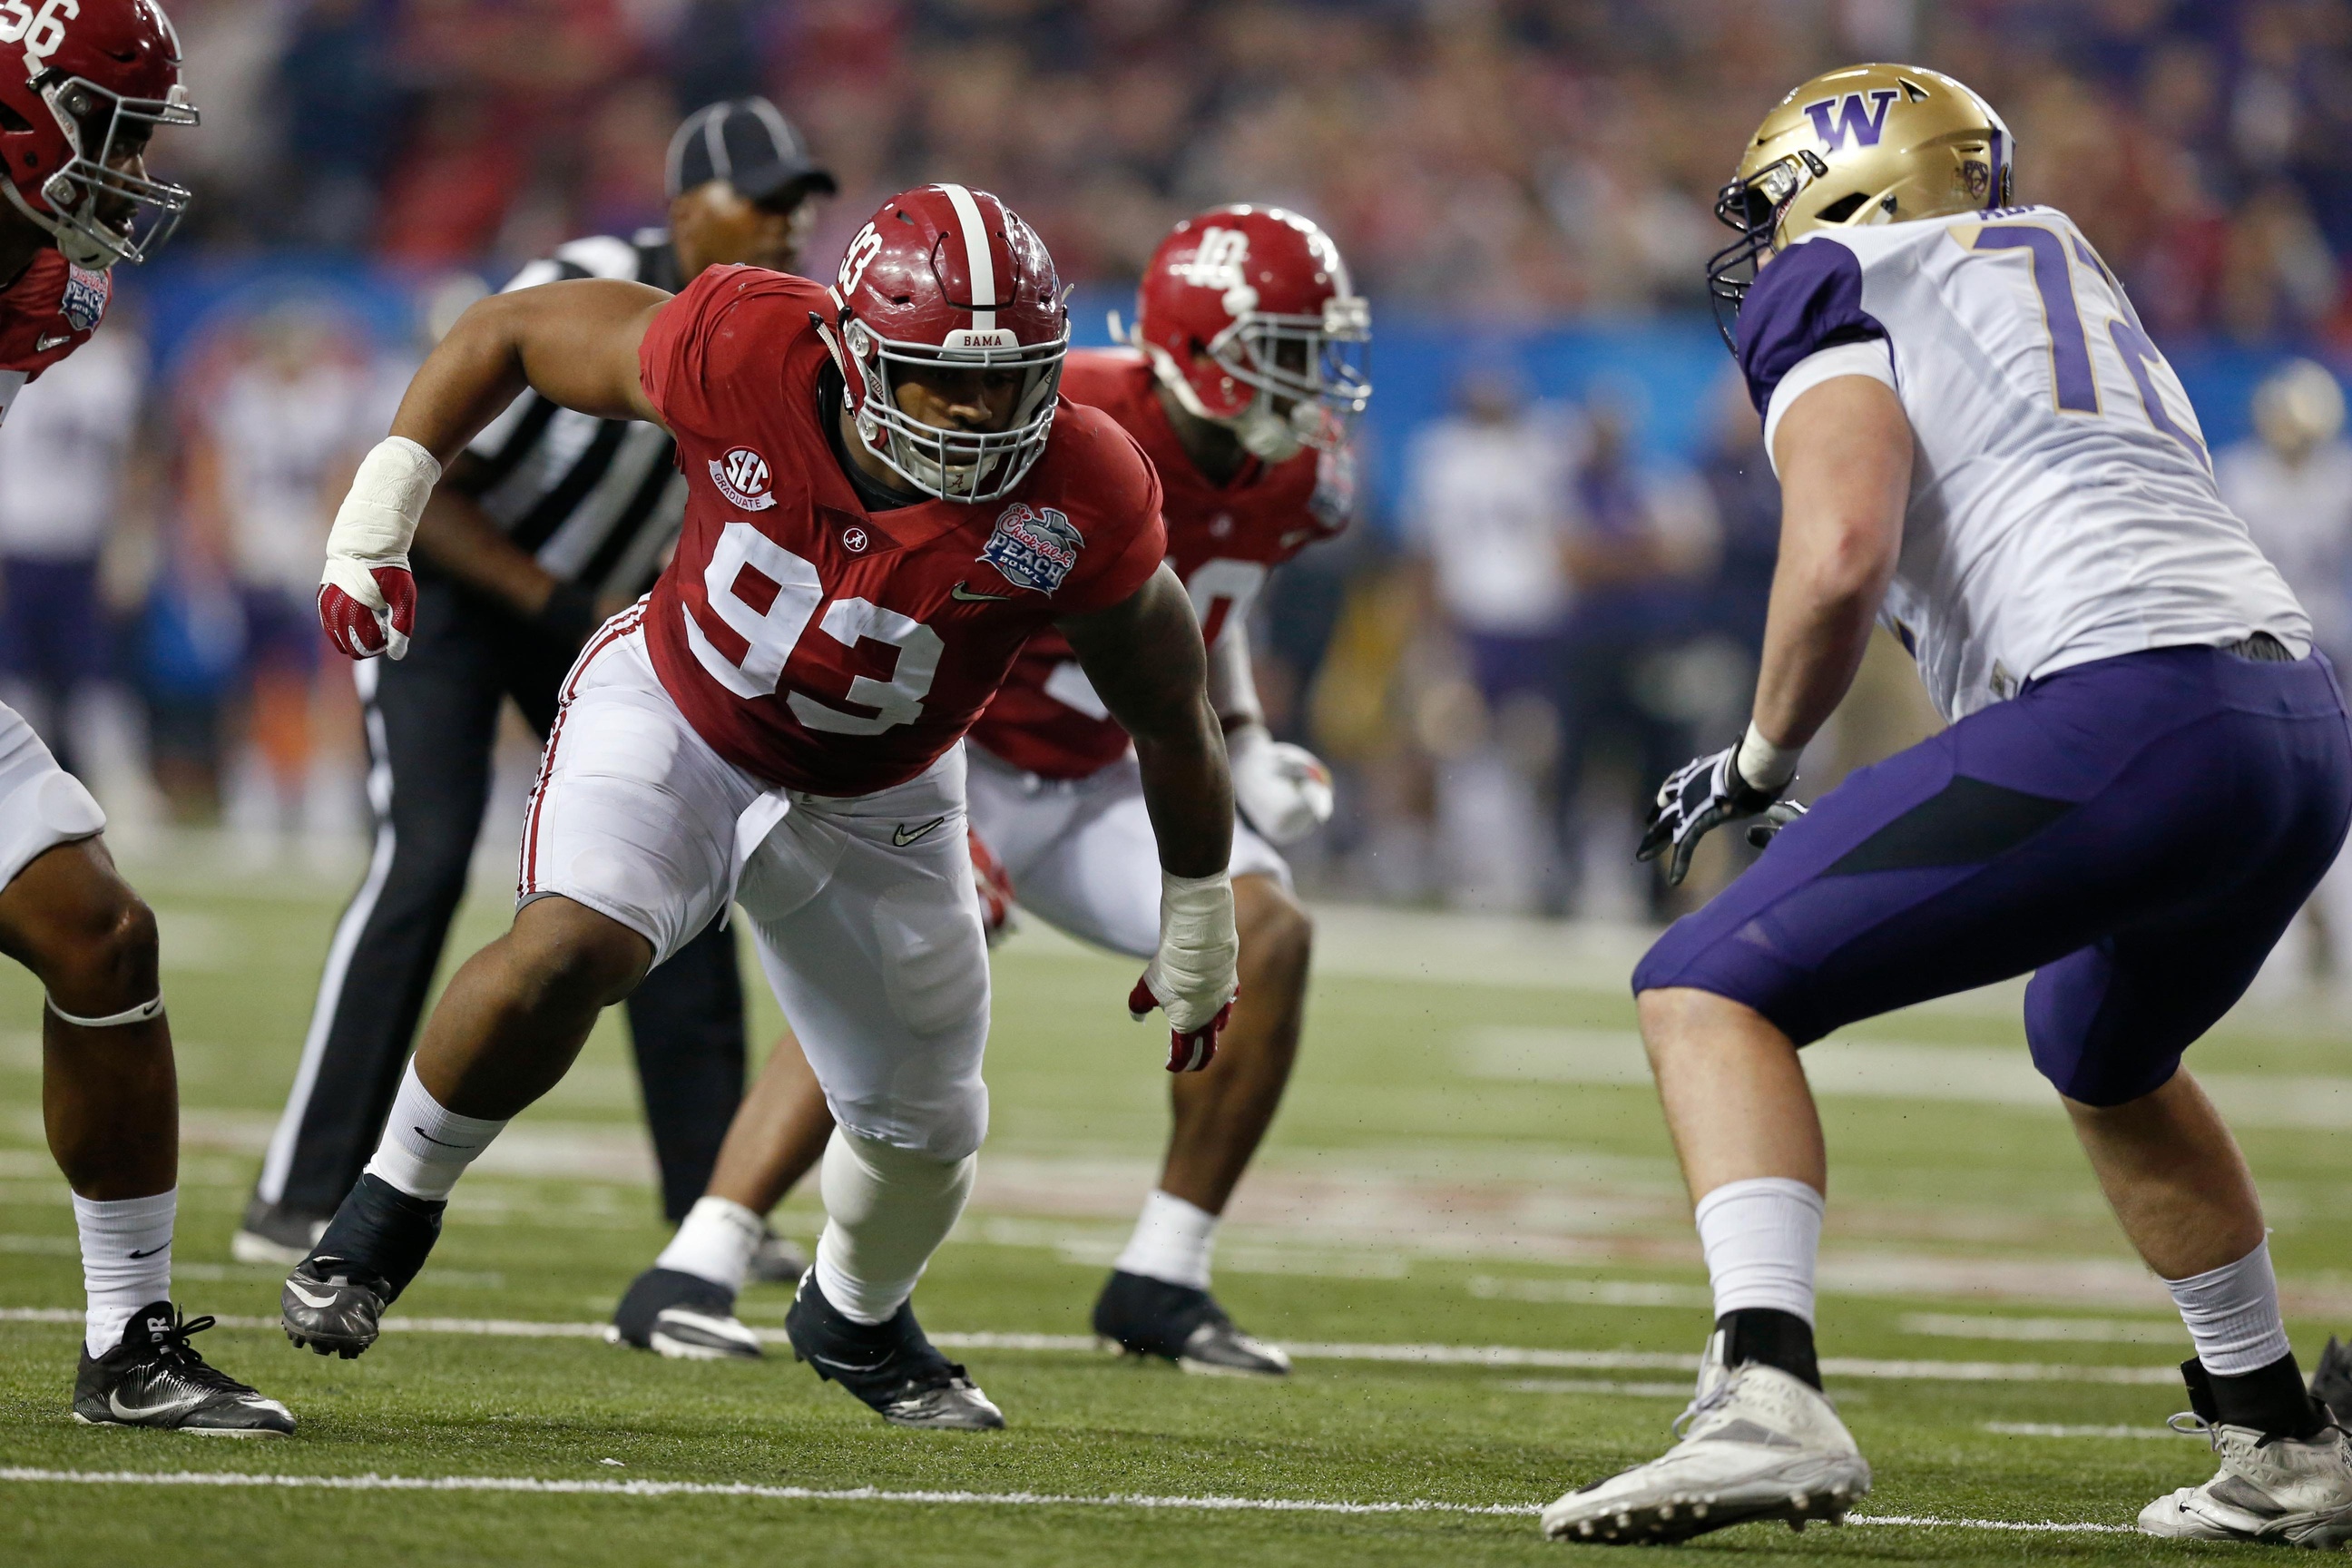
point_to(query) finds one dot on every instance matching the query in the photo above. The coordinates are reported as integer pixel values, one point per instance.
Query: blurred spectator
(1486, 516)
(1512, 158)
(2293, 484)
(275, 424)
(65, 455)
(1746, 497)
(337, 99)
(1639, 672)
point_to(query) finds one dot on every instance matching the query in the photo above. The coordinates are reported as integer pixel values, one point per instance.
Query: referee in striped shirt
(549, 524)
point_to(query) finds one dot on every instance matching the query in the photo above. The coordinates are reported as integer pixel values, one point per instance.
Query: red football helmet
(83, 84)
(1249, 318)
(948, 278)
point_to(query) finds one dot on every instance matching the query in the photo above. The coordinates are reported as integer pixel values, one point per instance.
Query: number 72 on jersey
(2075, 381)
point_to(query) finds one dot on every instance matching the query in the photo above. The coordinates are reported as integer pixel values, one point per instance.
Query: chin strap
(150, 1008)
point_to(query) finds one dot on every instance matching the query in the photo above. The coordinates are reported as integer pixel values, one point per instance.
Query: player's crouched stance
(81, 93)
(2147, 773)
(887, 498)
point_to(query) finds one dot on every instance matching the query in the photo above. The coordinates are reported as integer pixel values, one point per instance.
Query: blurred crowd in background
(1557, 587)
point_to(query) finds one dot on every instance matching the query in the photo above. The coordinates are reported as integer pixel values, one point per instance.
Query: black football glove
(1702, 795)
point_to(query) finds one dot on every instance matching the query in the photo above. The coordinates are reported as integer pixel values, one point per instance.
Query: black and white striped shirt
(596, 501)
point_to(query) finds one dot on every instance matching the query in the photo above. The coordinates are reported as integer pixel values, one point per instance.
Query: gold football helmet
(1862, 144)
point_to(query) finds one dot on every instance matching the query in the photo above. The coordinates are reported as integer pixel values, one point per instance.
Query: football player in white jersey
(2146, 771)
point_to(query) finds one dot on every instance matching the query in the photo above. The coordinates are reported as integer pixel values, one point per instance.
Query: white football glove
(1284, 790)
(1194, 975)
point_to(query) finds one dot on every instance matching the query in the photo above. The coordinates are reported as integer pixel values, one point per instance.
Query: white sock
(1760, 1237)
(426, 1148)
(2232, 1313)
(886, 1211)
(126, 1261)
(715, 1241)
(1171, 1242)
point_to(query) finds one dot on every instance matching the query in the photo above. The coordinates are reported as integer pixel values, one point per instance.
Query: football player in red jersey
(888, 497)
(1240, 387)
(82, 88)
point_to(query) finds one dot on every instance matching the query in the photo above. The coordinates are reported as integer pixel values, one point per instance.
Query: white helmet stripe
(978, 259)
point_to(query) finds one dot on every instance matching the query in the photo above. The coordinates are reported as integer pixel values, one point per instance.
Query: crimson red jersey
(1223, 541)
(817, 645)
(45, 315)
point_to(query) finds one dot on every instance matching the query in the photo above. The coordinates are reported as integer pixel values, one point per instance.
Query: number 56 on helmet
(1862, 144)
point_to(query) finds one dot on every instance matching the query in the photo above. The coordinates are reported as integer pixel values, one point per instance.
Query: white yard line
(1423, 1355)
(558, 1486)
(2043, 1429)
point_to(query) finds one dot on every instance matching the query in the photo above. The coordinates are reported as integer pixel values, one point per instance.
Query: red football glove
(994, 885)
(1186, 1053)
(359, 632)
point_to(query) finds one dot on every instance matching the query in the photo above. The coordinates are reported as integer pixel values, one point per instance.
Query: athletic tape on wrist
(1762, 764)
(150, 1008)
(377, 521)
(1199, 949)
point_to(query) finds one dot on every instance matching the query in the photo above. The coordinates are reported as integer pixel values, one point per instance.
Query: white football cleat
(1757, 1443)
(2295, 1491)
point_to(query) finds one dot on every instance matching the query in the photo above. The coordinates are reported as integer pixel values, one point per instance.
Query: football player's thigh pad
(883, 974)
(1253, 857)
(1099, 880)
(635, 818)
(41, 804)
(1019, 816)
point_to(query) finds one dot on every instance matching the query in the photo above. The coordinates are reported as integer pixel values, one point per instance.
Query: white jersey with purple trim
(2063, 507)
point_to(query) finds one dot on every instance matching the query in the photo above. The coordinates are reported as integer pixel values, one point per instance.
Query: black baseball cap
(749, 143)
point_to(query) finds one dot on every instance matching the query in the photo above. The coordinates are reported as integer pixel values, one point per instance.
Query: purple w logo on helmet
(1865, 125)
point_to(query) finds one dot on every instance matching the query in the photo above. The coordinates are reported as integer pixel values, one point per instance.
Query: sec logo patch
(743, 477)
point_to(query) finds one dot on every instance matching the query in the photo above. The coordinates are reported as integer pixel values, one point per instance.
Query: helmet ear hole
(12, 123)
(1842, 208)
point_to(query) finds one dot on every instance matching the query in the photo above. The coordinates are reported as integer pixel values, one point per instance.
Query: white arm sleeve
(1873, 358)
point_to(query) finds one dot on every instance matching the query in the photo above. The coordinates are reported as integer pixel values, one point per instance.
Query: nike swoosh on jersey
(905, 836)
(45, 345)
(319, 1301)
(967, 597)
(136, 1412)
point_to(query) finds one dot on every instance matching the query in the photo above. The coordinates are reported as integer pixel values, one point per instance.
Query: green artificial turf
(1406, 1197)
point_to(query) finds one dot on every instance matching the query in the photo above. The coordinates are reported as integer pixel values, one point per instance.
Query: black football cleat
(2331, 1382)
(275, 1234)
(682, 1316)
(155, 1378)
(890, 1367)
(1148, 1317)
(776, 1261)
(333, 1301)
(332, 1306)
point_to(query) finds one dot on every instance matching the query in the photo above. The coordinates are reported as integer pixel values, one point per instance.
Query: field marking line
(557, 1485)
(1408, 1354)
(1211, 1504)
(2022, 1526)
(2048, 1430)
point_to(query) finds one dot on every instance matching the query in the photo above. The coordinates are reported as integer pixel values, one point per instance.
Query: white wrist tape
(378, 518)
(1193, 973)
(1764, 764)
